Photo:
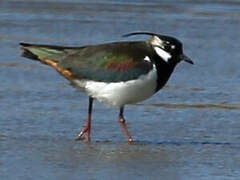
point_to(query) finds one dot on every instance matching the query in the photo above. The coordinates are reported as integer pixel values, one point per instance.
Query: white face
(159, 48)
(163, 54)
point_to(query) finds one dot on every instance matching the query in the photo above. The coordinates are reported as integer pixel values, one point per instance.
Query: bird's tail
(41, 52)
(50, 55)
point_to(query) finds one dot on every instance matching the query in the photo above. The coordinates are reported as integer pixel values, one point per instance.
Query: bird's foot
(84, 135)
(130, 141)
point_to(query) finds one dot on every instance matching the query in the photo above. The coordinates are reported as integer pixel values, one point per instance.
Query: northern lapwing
(117, 73)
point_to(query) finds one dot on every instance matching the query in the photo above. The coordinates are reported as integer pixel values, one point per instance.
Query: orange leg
(124, 126)
(87, 129)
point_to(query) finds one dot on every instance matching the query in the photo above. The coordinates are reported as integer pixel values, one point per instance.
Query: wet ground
(189, 130)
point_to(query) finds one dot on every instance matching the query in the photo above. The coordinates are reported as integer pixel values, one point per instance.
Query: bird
(114, 73)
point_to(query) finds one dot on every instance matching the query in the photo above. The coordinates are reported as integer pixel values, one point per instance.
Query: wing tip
(27, 53)
(23, 44)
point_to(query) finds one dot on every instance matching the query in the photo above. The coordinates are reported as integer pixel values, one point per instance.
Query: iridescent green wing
(111, 62)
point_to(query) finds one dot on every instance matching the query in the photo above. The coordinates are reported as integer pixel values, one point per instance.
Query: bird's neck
(164, 71)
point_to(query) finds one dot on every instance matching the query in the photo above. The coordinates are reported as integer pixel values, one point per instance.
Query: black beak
(186, 59)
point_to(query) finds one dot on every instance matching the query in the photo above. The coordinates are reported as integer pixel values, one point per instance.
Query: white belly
(118, 94)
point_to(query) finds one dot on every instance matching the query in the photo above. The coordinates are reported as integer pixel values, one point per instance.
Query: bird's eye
(167, 48)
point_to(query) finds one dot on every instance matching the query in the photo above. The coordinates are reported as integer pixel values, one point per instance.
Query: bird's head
(167, 48)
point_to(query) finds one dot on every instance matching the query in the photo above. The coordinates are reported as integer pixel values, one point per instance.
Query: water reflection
(220, 106)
